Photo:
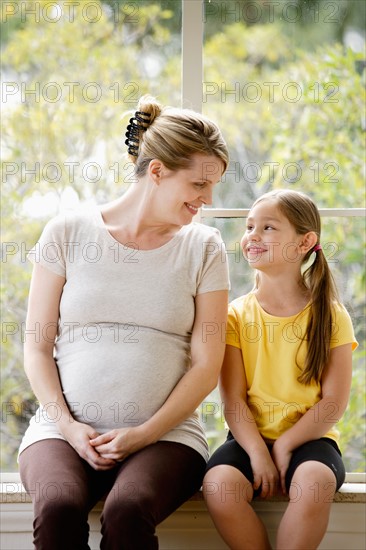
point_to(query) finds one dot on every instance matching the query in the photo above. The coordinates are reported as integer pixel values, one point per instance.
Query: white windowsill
(353, 490)
(190, 527)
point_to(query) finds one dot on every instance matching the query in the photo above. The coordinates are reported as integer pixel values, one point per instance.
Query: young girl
(285, 382)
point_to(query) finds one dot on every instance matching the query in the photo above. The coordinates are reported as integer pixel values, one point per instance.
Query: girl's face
(270, 241)
(181, 193)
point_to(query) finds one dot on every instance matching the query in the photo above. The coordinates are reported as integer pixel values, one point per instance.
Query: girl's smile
(269, 237)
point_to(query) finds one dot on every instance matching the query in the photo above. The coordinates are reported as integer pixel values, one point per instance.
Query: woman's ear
(155, 170)
(308, 241)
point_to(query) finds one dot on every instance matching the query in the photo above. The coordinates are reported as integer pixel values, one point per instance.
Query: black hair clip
(133, 130)
(136, 125)
(139, 115)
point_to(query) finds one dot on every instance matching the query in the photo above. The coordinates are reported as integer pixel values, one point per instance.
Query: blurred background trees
(285, 80)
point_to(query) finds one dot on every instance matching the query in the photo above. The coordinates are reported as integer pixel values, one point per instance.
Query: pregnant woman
(127, 297)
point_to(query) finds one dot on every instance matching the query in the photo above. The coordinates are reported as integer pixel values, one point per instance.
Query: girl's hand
(281, 456)
(78, 435)
(265, 474)
(118, 444)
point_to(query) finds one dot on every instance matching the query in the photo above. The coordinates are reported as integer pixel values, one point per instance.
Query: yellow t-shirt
(269, 345)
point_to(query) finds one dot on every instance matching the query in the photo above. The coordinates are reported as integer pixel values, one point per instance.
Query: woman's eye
(269, 227)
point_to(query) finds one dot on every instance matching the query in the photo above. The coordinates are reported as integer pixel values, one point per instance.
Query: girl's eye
(269, 227)
(249, 227)
(199, 185)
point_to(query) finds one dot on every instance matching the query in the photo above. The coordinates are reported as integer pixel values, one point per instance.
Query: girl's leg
(60, 484)
(150, 485)
(315, 473)
(228, 494)
(305, 521)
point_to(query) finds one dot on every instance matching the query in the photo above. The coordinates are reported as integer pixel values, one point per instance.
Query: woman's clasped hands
(118, 444)
(103, 451)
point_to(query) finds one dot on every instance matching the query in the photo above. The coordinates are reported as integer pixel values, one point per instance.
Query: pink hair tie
(317, 247)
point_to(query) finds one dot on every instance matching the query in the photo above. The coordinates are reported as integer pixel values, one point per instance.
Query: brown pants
(140, 493)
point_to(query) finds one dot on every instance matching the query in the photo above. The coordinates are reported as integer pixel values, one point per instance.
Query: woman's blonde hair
(304, 216)
(173, 136)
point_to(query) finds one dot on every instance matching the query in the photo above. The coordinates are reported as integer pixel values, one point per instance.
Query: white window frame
(191, 97)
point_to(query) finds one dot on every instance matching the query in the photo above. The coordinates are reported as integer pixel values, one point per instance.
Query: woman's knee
(60, 523)
(60, 508)
(129, 520)
(128, 512)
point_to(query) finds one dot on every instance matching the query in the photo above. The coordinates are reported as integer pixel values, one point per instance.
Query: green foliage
(294, 118)
(352, 425)
(69, 134)
(75, 84)
(301, 123)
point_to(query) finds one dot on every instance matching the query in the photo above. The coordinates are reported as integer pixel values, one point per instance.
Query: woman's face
(181, 193)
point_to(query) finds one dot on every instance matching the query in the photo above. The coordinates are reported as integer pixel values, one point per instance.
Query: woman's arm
(41, 330)
(316, 422)
(207, 351)
(233, 389)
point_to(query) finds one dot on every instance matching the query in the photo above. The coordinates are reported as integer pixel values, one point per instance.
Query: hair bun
(147, 110)
(149, 105)
(172, 136)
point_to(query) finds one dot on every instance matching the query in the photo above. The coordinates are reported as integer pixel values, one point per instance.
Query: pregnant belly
(111, 383)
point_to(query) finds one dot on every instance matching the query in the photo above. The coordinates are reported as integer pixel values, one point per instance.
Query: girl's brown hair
(304, 216)
(174, 135)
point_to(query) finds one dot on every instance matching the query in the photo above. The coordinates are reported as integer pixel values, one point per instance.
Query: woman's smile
(193, 209)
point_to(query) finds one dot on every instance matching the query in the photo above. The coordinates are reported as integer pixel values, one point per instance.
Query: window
(70, 71)
(284, 82)
(278, 79)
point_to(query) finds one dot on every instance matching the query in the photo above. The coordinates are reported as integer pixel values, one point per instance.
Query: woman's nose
(206, 196)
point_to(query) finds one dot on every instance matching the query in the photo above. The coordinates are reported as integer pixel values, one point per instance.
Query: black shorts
(322, 450)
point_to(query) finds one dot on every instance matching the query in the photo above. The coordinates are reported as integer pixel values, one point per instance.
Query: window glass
(70, 71)
(285, 82)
